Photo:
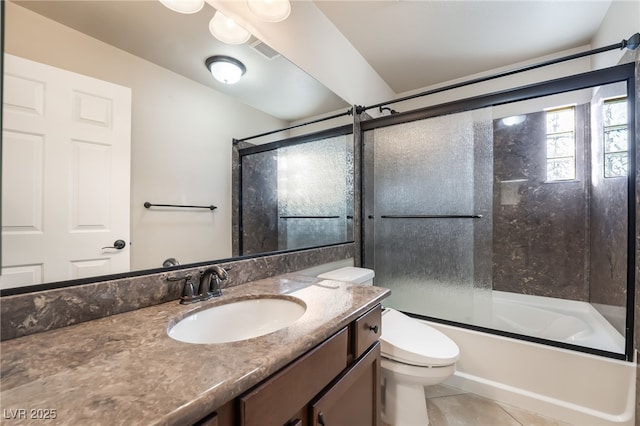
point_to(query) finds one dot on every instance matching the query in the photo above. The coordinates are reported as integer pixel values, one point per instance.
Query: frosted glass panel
(315, 192)
(435, 277)
(425, 167)
(430, 170)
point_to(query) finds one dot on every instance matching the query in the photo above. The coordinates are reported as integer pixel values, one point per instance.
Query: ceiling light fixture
(184, 6)
(225, 69)
(514, 120)
(227, 30)
(270, 10)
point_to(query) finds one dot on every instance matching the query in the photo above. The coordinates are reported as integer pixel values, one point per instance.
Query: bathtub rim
(579, 309)
(526, 338)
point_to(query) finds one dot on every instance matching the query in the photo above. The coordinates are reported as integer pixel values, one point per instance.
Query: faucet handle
(188, 293)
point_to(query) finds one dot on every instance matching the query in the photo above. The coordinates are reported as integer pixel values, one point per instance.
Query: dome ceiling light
(225, 69)
(270, 10)
(227, 30)
(184, 6)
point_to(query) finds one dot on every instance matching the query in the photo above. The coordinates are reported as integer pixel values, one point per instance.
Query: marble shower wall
(608, 216)
(540, 230)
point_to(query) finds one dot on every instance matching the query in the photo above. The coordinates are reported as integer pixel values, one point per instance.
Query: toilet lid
(410, 341)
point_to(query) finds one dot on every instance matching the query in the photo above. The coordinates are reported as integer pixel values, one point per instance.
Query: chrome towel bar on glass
(149, 205)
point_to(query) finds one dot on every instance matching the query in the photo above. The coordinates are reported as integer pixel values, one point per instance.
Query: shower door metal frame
(616, 74)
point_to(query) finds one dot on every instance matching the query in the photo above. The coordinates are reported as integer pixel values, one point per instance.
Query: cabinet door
(354, 399)
(280, 400)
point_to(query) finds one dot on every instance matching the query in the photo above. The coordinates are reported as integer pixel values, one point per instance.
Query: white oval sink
(237, 321)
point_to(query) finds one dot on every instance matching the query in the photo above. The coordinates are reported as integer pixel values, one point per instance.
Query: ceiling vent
(264, 50)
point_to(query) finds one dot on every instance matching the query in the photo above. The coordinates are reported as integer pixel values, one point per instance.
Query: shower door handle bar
(431, 216)
(148, 205)
(309, 217)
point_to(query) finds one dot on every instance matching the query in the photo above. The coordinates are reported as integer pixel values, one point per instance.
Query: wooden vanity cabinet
(335, 383)
(366, 331)
(284, 395)
(354, 398)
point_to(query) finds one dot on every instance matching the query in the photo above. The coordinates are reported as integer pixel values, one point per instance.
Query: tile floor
(449, 406)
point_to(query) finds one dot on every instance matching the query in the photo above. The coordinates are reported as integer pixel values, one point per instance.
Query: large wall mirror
(137, 66)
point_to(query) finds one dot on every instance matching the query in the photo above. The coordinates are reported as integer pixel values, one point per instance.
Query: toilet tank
(351, 274)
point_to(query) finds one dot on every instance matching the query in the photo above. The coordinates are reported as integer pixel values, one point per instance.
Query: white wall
(503, 83)
(621, 22)
(181, 139)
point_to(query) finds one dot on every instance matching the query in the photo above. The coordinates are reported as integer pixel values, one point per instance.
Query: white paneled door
(65, 175)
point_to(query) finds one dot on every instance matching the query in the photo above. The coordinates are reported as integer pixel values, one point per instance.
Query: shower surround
(540, 229)
(457, 203)
(563, 240)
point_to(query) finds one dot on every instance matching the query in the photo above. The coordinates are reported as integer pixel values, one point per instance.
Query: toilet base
(403, 395)
(404, 404)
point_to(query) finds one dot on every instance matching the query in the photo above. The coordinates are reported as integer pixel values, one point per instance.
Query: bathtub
(569, 321)
(575, 387)
(571, 386)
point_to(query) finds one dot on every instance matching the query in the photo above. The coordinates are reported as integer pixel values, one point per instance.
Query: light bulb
(184, 6)
(513, 120)
(270, 10)
(225, 69)
(227, 30)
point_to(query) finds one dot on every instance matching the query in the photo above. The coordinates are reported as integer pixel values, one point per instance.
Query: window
(615, 137)
(561, 144)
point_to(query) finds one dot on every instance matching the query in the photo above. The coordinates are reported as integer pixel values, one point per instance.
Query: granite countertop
(125, 369)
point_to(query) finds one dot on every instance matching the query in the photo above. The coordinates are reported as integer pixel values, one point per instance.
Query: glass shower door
(517, 217)
(428, 192)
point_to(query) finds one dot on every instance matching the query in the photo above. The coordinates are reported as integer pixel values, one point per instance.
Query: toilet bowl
(414, 355)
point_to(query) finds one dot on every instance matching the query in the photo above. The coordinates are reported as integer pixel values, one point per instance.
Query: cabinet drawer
(367, 330)
(276, 400)
(210, 420)
(223, 416)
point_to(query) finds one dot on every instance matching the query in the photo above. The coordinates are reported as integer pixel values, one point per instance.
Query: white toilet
(414, 355)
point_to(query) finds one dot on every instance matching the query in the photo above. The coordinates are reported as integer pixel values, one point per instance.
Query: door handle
(117, 244)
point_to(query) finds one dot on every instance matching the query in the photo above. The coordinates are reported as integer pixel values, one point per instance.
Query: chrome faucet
(210, 282)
